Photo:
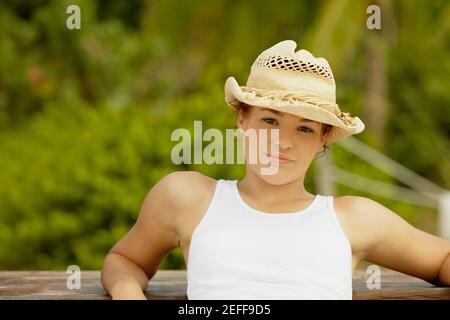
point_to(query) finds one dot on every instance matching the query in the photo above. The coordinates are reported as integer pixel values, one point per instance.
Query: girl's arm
(392, 242)
(444, 274)
(134, 260)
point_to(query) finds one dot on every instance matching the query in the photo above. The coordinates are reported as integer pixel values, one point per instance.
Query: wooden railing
(171, 284)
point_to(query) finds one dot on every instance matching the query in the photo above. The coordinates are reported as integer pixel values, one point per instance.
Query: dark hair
(326, 128)
(244, 107)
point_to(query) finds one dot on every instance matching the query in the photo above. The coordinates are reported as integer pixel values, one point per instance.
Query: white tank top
(238, 252)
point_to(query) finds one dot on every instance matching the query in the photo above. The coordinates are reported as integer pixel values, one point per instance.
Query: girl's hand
(127, 290)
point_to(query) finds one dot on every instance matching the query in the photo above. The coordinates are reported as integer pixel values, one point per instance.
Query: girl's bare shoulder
(365, 220)
(352, 213)
(188, 190)
(360, 212)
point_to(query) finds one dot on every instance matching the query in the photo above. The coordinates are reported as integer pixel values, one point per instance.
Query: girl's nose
(284, 140)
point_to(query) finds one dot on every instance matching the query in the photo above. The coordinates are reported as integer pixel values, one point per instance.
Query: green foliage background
(86, 115)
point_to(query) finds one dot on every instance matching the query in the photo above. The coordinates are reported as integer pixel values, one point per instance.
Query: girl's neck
(256, 187)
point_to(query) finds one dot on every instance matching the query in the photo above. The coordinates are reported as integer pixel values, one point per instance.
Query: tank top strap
(334, 218)
(218, 203)
(217, 197)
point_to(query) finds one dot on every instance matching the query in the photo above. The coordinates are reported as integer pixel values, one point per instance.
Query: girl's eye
(274, 121)
(307, 130)
(269, 120)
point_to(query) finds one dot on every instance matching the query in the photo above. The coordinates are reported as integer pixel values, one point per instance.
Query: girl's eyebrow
(278, 113)
(308, 121)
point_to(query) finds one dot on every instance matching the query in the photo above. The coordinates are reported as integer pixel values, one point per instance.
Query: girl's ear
(243, 114)
(324, 134)
(323, 139)
(241, 119)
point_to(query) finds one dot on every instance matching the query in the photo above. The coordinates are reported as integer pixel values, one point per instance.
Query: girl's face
(299, 141)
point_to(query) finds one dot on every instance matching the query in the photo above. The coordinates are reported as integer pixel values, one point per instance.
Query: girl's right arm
(134, 260)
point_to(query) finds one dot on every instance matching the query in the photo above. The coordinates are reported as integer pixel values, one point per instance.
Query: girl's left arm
(392, 242)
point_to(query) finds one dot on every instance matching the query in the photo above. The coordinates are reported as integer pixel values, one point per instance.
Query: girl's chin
(276, 176)
(277, 180)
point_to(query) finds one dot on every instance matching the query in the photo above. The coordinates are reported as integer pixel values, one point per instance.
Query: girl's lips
(281, 159)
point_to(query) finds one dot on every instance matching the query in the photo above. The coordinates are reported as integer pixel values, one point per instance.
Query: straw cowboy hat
(297, 83)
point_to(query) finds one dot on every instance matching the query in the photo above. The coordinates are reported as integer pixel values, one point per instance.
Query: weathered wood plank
(171, 284)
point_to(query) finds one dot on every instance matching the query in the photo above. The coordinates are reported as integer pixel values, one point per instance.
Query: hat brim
(235, 95)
